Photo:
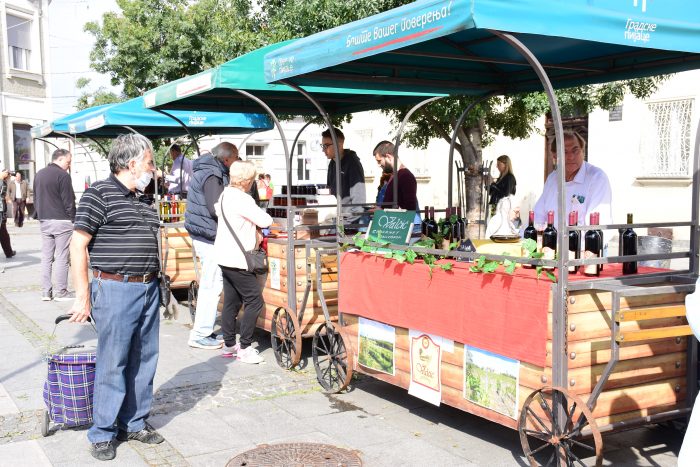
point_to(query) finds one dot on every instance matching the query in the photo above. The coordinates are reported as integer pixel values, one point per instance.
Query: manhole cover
(296, 454)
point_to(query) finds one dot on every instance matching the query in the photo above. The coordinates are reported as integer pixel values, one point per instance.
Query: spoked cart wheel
(332, 360)
(192, 292)
(286, 338)
(45, 422)
(544, 443)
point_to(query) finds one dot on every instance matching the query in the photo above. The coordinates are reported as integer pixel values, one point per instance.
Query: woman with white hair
(238, 213)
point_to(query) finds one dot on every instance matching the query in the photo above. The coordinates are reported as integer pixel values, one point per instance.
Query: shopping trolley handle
(60, 318)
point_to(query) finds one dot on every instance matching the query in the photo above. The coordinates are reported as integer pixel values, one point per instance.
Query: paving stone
(24, 453)
(365, 431)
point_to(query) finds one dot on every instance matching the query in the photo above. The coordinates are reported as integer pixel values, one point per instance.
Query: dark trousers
(5, 239)
(18, 206)
(240, 288)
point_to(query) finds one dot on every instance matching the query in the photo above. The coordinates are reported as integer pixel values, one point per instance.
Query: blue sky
(70, 49)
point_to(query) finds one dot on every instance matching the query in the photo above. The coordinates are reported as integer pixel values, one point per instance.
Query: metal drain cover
(296, 454)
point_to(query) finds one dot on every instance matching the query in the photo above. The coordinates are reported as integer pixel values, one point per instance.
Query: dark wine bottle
(531, 233)
(462, 224)
(629, 248)
(592, 246)
(424, 223)
(455, 229)
(549, 240)
(602, 241)
(574, 241)
(432, 226)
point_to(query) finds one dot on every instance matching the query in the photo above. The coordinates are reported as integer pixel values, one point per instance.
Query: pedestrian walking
(17, 195)
(4, 234)
(54, 201)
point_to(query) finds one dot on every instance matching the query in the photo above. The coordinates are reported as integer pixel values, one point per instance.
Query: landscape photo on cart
(377, 344)
(491, 380)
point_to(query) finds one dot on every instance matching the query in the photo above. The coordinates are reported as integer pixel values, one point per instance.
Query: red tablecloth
(502, 313)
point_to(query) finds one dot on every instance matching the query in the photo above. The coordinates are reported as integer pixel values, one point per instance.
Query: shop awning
(107, 121)
(216, 90)
(451, 46)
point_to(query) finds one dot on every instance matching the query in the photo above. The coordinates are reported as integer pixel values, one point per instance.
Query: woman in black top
(504, 185)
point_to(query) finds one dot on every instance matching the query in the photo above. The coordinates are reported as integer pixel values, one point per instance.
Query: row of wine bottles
(172, 208)
(593, 243)
(454, 226)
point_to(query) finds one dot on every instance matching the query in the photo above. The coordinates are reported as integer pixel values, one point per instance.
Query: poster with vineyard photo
(377, 343)
(491, 380)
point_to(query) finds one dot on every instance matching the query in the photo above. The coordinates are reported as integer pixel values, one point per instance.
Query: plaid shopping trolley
(69, 385)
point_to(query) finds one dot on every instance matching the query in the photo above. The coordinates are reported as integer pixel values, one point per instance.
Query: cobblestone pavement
(230, 391)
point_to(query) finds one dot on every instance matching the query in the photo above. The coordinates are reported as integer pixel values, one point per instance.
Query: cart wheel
(551, 445)
(192, 292)
(46, 420)
(332, 360)
(286, 338)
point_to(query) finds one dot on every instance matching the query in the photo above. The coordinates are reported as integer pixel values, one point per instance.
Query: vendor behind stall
(352, 175)
(587, 186)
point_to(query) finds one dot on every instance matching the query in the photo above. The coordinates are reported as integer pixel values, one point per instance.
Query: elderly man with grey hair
(117, 232)
(210, 174)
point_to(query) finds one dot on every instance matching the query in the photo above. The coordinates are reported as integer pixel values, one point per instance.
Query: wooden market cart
(608, 353)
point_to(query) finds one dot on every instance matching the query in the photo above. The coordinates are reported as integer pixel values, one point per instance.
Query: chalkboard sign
(393, 226)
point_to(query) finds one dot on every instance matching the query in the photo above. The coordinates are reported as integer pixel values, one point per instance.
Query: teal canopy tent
(217, 89)
(453, 46)
(107, 121)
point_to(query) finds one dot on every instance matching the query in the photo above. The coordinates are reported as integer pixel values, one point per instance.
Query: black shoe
(104, 451)
(148, 435)
(14, 252)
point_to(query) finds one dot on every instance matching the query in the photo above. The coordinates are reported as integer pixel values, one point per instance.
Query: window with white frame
(303, 173)
(19, 42)
(254, 151)
(667, 145)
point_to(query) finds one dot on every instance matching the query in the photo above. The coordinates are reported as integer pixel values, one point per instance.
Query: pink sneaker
(230, 352)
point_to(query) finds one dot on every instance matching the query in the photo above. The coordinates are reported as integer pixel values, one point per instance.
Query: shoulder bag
(255, 259)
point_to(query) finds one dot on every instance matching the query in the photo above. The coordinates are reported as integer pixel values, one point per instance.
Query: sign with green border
(391, 225)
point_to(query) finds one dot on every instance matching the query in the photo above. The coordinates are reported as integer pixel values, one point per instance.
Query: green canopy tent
(486, 47)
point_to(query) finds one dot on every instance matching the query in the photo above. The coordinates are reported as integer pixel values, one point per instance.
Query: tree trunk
(470, 140)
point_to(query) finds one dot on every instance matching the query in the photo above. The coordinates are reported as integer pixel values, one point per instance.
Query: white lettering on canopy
(405, 24)
(639, 31)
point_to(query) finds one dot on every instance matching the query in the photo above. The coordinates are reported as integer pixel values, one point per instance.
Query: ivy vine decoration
(401, 256)
(529, 247)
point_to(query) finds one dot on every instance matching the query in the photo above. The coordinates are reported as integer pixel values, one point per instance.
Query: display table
(502, 313)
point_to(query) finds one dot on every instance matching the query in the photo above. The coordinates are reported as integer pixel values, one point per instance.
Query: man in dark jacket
(54, 200)
(209, 177)
(352, 176)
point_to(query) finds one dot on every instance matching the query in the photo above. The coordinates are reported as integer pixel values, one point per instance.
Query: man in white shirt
(587, 186)
(179, 177)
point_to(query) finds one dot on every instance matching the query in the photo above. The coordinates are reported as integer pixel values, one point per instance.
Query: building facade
(24, 84)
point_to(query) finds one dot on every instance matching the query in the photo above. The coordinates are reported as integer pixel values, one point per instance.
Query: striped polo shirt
(122, 243)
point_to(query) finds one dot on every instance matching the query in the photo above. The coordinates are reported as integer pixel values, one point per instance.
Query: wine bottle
(531, 233)
(574, 241)
(455, 229)
(549, 240)
(602, 240)
(462, 224)
(424, 223)
(592, 246)
(629, 248)
(432, 227)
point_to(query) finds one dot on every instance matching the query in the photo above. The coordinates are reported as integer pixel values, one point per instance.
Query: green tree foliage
(151, 42)
(88, 98)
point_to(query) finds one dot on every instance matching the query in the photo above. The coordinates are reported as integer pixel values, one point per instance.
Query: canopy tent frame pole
(340, 230)
(47, 142)
(559, 318)
(92, 161)
(184, 127)
(453, 142)
(410, 113)
(693, 266)
(296, 139)
(291, 291)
